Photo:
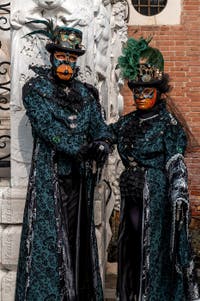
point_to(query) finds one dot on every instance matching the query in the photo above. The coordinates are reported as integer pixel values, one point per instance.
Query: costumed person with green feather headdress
(58, 257)
(154, 256)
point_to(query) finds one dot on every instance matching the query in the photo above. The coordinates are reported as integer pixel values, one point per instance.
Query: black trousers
(130, 232)
(76, 220)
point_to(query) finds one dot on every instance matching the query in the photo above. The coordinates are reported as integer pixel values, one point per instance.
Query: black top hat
(62, 38)
(66, 39)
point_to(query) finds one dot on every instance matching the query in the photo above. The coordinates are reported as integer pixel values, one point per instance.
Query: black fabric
(129, 245)
(76, 220)
(51, 47)
(162, 85)
(65, 93)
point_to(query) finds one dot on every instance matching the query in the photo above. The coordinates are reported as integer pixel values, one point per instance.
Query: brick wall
(180, 45)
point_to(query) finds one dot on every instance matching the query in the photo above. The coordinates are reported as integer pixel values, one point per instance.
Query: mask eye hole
(60, 56)
(148, 91)
(72, 58)
(136, 92)
(139, 92)
(65, 57)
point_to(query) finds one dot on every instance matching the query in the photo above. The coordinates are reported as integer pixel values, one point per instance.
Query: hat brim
(52, 47)
(154, 83)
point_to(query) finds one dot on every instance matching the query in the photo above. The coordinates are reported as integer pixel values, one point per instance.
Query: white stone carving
(8, 285)
(4, 57)
(119, 37)
(4, 84)
(12, 202)
(10, 247)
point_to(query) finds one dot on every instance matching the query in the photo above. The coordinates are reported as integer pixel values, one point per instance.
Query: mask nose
(141, 95)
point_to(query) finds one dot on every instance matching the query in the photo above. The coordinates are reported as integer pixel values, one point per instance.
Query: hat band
(148, 73)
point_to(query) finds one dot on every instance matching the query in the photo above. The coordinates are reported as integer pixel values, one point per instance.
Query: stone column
(8, 217)
(104, 29)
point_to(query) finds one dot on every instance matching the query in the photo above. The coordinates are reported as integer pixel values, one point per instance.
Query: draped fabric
(58, 257)
(154, 254)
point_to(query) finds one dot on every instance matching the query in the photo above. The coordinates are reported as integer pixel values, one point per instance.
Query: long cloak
(154, 254)
(63, 119)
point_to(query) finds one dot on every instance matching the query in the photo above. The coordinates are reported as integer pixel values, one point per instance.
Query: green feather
(129, 60)
(132, 51)
(153, 57)
(39, 31)
(48, 32)
(45, 22)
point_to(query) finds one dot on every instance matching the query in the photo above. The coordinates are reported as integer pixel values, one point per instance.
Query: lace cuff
(178, 194)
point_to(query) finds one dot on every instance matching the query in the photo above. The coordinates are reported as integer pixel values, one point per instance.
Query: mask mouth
(64, 72)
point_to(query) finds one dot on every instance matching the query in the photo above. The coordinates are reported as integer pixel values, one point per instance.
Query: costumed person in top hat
(154, 254)
(58, 257)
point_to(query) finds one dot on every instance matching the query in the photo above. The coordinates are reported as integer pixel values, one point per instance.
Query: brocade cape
(154, 183)
(63, 119)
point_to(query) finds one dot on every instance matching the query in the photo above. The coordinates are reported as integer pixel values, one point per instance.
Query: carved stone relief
(4, 89)
(118, 36)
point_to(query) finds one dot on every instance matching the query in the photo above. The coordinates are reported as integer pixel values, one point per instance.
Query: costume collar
(155, 111)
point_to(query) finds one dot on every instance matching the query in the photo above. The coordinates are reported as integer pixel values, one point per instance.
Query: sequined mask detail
(145, 98)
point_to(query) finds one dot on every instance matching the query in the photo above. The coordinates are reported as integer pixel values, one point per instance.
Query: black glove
(99, 151)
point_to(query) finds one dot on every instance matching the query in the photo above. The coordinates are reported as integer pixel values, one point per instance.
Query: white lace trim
(172, 159)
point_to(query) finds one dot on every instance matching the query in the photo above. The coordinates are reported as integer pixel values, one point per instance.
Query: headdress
(61, 38)
(141, 64)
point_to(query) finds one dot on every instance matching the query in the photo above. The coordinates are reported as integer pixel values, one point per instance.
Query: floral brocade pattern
(145, 146)
(59, 131)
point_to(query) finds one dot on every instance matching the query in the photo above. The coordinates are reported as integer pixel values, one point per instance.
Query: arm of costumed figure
(51, 130)
(175, 145)
(181, 253)
(178, 193)
(99, 131)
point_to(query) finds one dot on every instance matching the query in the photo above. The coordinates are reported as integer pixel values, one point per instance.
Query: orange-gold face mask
(64, 64)
(64, 72)
(145, 97)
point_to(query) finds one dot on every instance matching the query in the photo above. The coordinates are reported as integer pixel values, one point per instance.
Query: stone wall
(9, 233)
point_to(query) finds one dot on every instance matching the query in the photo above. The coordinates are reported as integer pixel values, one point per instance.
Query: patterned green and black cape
(63, 119)
(154, 261)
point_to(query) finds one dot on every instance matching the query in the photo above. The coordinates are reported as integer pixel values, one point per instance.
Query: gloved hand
(99, 151)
